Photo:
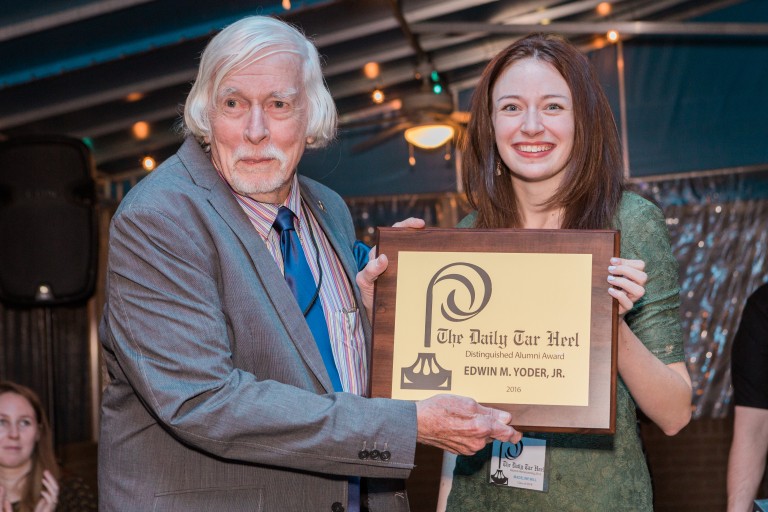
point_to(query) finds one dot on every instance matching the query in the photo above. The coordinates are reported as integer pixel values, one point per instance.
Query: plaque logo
(426, 373)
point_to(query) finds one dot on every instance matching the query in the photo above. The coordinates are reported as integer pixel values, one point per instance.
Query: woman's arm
(662, 391)
(746, 461)
(650, 355)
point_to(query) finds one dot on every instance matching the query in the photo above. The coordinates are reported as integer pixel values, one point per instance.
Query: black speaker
(48, 224)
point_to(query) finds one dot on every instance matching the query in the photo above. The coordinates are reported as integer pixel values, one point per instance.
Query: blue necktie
(301, 282)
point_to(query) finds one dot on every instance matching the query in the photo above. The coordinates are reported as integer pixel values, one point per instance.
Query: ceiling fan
(425, 115)
(415, 113)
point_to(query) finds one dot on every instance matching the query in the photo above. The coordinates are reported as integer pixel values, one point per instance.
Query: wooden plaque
(518, 319)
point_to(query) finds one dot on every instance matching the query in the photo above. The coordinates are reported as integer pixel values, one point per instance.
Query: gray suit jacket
(218, 397)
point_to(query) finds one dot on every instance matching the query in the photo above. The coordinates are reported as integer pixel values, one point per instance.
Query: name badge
(522, 465)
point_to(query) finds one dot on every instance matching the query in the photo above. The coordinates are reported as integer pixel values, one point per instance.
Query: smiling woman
(533, 122)
(542, 152)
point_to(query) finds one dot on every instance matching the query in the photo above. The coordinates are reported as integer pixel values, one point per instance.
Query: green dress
(597, 473)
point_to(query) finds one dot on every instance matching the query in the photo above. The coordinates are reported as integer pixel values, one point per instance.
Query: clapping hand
(50, 494)
(5, 504)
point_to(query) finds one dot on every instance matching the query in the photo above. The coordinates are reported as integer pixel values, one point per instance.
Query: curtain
(438, 210)
(46, 349)
(719, 232)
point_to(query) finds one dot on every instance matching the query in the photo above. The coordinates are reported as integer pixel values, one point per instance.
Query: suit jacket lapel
(343, 247)
(221, 199)
(333, 231)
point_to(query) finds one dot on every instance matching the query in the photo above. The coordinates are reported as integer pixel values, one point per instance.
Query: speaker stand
(49, 362)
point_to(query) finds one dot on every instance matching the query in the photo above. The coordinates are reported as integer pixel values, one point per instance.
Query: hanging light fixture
(429, 136)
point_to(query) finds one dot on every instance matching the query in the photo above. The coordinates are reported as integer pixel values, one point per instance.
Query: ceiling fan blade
(380, 137)
(381, 122)
(366, 116)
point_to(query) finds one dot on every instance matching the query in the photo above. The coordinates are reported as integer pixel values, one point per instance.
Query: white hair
(243, 43)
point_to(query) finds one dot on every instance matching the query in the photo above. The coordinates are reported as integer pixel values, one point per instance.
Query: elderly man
(238, 357)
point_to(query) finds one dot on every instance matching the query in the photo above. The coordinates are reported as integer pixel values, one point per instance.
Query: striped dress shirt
(338, 299)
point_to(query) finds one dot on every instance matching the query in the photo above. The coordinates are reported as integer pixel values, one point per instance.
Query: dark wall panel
(694, 103)
(382, 170)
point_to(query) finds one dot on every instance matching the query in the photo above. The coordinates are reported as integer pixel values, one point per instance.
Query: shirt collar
(262, 215)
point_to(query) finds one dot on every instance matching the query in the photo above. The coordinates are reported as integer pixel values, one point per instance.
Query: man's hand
(461, 425)
(377, 265)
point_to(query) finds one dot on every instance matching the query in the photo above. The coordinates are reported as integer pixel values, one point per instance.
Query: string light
(612, 36)
(371, 70)
(287, 5)
(148, 163)
(599, 42)
(140, 130)
(377, 96)
(604, 8)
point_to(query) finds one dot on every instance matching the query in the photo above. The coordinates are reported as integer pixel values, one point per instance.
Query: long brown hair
(592, 185)
(43, 457)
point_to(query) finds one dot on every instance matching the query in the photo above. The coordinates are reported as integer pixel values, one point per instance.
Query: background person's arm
(746, 461)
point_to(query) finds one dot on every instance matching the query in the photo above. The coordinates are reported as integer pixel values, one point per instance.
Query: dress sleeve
(468, 221)
(655, 318)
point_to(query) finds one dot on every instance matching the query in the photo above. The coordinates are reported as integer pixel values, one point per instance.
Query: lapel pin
(321, 205)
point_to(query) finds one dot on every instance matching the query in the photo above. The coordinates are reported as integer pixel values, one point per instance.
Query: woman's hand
(410, 222)
(628, 279)
(50, 494)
